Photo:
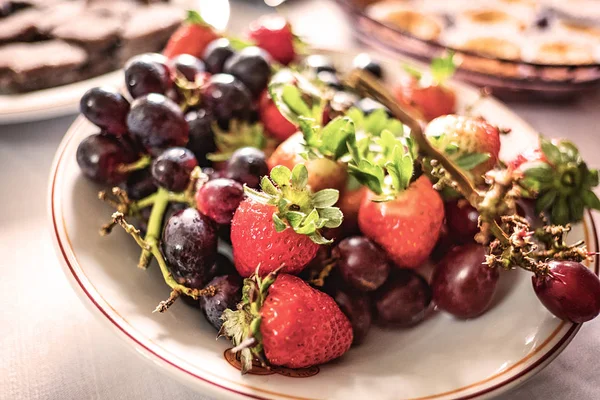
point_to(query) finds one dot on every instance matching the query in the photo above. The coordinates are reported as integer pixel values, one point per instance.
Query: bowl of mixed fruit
(379, 229)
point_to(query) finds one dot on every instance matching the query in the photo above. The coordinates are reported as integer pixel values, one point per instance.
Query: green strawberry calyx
(374, 123)
(561, 182)
(240, 134)
(385, 165)
(296, 206)
(194, 17)
(242, 326)
(440, 70)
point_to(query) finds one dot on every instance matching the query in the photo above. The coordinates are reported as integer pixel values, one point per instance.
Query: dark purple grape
(228, 295)
(226, 98)
(216, 54)
(157, 123)
(569, 290)
(139, 184)
(318, 63)
(403, 300)
(357, 307)
(172, 209)
(330, 79)
(251, 67)
(189, 244)
(368, 105)
(188, 66)
(366, 63)
(462, 284)
(247, 166)
(171, 170)
(107, 108)
(219, 198)
(147, 73)
(201, 138)
(462, 220)
(223, 266)
(100, 156)
(361, 263)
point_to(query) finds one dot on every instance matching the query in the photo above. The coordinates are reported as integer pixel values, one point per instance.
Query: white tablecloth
(52, 348)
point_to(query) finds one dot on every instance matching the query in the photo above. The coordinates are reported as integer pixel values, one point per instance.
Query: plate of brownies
(52, 51)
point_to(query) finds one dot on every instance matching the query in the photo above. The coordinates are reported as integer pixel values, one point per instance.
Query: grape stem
(150, 244)
(142, 163)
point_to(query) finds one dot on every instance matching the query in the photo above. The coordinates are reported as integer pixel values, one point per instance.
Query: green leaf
(299, 176)
(560, 211)
(267, 186)
(369, 175)
(551, 152)
(576, 208)
(194, 17)
(356, 115)
(292, 97)
(257, 196)
(239, 44)
(308, 128)
(471, 160)
(590, 199)
(307, 228)
(325, 198)
(388, 143)
(280, 226)
(334, 136)
(406, 171)
(281, 175)
(332, 215)
(395, 126)
(376, 122)
(544, 202)
(412, 71)
(443, 68)
(294, 218)
(591, 179)
(319, 239)
(541, 172)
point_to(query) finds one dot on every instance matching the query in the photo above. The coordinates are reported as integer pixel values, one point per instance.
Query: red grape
(188, 66)
(228, 295)
(462, 284)
(247, 166)
(216, 54)
(201, 138)
(226, 98)
(219, 198)
(251, 67)
(362, 264)
(100, 156)
(147, 73)
(158, 123)
(570, 291)
(403, 300)
(107, 108)
(357, 307)
(189, 244)
(462, 220)
(171, 170)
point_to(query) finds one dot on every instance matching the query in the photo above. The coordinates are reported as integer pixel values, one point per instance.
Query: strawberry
(401, 211)
(275, 124)
(557, 177)
(426, 92)
(282, 321)
(406, 227)
(280, 227)
(471, 142)
(430, 100)
(191, 38)
(349, 203)
(274, 34)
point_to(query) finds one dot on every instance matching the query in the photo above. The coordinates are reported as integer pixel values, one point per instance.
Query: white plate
(64, 100)
(442, 358)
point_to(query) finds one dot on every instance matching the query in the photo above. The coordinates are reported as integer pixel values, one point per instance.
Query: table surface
(52, 348)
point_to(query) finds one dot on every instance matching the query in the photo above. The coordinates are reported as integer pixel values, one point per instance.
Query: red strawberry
(280, 227)
(473, 143)
(530, 155)
(406, 227)
(285, 322)
(274, 34)
(431, 100)
(322, 172)
(275, 123)
(191, 38)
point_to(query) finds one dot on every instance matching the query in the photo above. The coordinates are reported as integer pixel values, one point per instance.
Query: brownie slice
(32, 66)
(92, 32)
(62, 13)
(20, 26)
(149, 29)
